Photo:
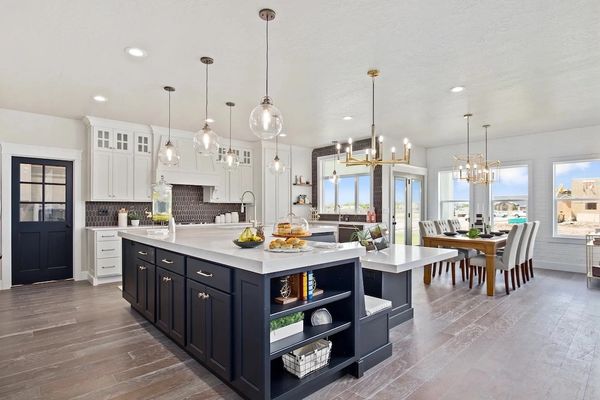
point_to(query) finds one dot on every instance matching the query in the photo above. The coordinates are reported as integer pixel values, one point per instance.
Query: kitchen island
(217, 301)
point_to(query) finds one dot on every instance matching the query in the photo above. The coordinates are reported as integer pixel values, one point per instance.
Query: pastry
(298, 230)
(286, 246)
(284, 228)
(302, 243)
(274, 245)
(292, 241)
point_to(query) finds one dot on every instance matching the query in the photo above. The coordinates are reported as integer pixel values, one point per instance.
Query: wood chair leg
(462, 269)
(523, 274)
(453, 271)
(440, 270)
(479, 275)
(471, 272)
(517, 276)
(526, 270)
(483, 274)
(506, 282)
(433, 269)
(531, 266)
(512, 278)
(447, 267)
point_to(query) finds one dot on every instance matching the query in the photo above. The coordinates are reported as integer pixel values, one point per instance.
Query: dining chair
(427, 228)
(454, 224)
(530, 247)
(505, 262)
(442, 226)
(522, 253)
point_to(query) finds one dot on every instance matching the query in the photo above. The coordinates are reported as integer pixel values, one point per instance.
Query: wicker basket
(307, 359)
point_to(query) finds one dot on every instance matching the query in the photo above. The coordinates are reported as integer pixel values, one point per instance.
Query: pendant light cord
(230, 128)
(169, 117)
(206, 98)
(468, 142)
(267, 60)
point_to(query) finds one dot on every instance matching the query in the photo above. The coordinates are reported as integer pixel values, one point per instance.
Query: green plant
(133, 215)
(473, 233)
(287, 320)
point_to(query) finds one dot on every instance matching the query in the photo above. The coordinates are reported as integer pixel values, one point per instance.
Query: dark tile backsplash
(188, 207)
(377, 178)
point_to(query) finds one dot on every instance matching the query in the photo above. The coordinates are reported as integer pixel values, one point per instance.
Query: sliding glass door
(408, 208)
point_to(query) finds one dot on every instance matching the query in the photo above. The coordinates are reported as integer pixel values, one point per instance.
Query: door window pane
(55, 193)
(31, 192)
(31, 173)
(30, 212)
(54, 212)
(400, 210)
(416, 199)
(56, 174)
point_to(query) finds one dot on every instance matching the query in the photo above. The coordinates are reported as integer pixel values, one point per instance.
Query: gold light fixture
(467, 167)
(374, 155)
(491, 168)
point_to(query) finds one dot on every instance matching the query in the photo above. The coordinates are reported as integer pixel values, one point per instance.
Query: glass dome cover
(162, 201)
(291, 226)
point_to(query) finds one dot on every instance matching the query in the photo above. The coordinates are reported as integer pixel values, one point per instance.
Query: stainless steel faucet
(254, 221)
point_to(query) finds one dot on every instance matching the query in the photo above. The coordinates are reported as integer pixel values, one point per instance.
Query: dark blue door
(42, 220)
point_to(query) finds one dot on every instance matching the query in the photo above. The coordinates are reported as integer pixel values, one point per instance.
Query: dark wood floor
(70, 340)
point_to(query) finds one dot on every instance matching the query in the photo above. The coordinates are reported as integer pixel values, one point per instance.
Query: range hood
(193, 169)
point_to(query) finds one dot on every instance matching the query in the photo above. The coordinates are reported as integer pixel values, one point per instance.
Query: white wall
(539, 151)
(52, 133)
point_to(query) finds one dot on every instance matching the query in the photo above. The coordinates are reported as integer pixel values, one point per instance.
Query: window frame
(321, 177)
(513, 164)
(440, 201)
(575, 159)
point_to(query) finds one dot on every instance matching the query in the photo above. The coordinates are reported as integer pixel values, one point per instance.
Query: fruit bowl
(247, 245)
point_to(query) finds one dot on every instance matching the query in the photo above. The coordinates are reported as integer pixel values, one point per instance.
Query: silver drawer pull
(108, 235)
(141, 267)
(112, 266)
(107, 249)
(143, 253)
(166, 261)
(166, 279)
(203, 296)
(202, 273)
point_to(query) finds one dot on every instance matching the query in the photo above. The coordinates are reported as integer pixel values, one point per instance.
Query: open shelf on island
(328, 296)
(284, 384)
(310, 334)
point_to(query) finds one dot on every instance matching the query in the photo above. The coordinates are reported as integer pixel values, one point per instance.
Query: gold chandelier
(374, 155)
(491, 168)
(467, 167)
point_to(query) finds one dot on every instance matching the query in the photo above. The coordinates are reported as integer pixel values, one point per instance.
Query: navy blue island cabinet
(220, 314)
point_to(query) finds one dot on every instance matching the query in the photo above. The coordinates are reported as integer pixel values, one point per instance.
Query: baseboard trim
(559, 266)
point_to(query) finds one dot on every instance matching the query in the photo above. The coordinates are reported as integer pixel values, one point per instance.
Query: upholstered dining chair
(506, 261)
(442, 226)
(455, 226)
(522, 253)
(530, 247)
(427, 228)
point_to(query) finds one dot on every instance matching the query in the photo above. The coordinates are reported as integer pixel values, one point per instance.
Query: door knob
(141, 267)
(166, 279)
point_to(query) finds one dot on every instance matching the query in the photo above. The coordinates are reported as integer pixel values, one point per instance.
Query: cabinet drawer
(170, 261)
(108, 249)
(102, 236)
(214, 275)
(144, 252)
(108, 266)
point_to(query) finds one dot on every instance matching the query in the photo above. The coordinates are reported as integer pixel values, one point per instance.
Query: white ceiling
(528, 66)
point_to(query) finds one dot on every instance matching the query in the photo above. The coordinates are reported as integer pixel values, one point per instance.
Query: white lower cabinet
(104, 256)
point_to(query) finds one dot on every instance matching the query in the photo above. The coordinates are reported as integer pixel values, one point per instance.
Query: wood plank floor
(73, 341)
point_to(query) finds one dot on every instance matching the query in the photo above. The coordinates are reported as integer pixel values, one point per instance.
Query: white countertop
(336, 223)
(319, 228)
(399, 258)
(216, 245)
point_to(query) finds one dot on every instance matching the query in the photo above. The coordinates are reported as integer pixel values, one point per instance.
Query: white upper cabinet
(120, 157)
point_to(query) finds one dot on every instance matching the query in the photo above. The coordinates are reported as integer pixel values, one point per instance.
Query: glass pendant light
(334, 176)
(231, 160)
(266, 120)
(276, 166)
(168, 154)
(206, 141)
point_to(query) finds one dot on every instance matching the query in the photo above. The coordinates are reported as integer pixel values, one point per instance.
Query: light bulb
(276, 166)
(405, 141)
(231, 161)
(393, 149)
(266, 120)
(347, 149)
(380, 139)
(333, 178)
(349, 140)
(168, 154)
(206, 142)
(338, 146)
(409, 146)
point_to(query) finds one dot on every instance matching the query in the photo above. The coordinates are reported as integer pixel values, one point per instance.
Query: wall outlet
(103, 212)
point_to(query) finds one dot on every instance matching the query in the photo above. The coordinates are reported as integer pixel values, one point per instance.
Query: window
(454, 198)
(510, 197)
(576, 197)
(353, 191)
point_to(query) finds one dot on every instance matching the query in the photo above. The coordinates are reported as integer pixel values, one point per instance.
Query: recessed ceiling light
(282, 134)
(135, 52)
(347, 118)
(457, 89)
(209, 120)
(100, 98)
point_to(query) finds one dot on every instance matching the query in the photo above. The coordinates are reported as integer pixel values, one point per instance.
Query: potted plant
(286, 326)
(134, 217)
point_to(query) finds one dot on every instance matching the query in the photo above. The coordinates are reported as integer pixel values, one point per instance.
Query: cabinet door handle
(141, 267)
(203, 296)
(143, 253)
(206, 274)
(107, 235)
(166, 279)
(112, 266)
(166, 261)
(107, 249)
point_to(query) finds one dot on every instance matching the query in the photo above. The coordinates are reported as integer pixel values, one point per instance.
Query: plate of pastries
(289, 245)
(289, 230)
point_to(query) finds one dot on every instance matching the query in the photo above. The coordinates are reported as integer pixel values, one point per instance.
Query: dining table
(488, 246)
